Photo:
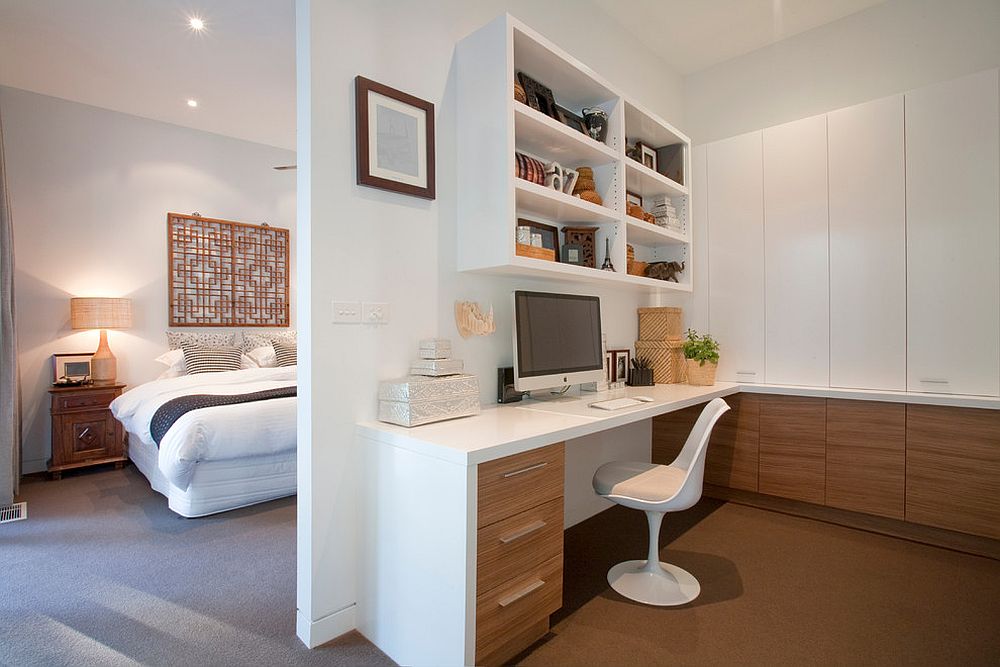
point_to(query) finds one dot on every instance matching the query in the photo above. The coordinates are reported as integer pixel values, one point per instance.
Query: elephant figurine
(665, 270)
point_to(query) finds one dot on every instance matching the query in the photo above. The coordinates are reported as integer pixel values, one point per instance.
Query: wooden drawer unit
(83, 431)
(511, 546)
(516, 483)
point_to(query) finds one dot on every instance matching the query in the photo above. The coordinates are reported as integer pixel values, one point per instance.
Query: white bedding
(218, 433)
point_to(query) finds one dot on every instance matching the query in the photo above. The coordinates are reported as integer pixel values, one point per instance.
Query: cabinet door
(868, 246)
(733, 450)
(85, 436)
(793, 447)
(953, 237)
(796, 254)
(736, 251)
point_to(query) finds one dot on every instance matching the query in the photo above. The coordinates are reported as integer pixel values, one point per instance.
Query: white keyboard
(616, 404)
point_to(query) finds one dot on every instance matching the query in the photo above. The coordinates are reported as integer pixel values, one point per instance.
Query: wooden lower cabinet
(519, 560)
(953, 468)
(793, 448)
(866, 456)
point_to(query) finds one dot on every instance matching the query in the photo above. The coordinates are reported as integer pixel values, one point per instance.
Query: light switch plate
(347, 312)
(375, 313)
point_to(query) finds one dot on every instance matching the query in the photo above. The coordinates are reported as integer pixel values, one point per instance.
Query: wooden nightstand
(83, 431)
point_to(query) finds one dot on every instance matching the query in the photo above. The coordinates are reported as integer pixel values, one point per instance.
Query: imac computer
(557, 340)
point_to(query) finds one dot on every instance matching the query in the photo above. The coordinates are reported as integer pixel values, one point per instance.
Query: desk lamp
(101, 313)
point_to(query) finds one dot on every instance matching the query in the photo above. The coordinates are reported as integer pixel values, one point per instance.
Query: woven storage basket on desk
(701, 374)
(660, 323)
(666, 357)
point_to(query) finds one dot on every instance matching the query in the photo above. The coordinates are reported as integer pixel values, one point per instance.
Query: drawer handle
(746, 372)
(85, 432)
(527, 530)
(524, 470)
(934, 380)
(527, 590)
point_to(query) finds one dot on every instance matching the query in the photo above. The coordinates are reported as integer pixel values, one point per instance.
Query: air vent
(14, 512)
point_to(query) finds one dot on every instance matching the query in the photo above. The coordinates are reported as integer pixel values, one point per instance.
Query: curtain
(10, 390)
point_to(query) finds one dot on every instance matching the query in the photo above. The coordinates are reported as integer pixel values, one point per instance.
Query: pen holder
(640, 377)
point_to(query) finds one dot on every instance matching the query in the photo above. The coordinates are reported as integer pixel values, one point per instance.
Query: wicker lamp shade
(100, 313)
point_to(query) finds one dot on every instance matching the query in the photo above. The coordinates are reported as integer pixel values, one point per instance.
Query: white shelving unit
(492, 126)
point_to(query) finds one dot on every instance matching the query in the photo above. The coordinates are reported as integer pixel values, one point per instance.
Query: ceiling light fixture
(193, 103)
(196, 23)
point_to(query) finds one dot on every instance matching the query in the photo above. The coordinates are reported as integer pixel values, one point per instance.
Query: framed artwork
(570, 119)
(550, 233)
(75, 366)
(619, 369)
(609, 364)
(633, 198)
(395, 139)
(539, 97)
(648, 155)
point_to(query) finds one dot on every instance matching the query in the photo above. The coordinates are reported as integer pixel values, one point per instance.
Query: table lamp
(101, 313)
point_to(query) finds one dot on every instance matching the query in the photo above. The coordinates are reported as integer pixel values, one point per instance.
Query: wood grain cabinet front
(84, 433)
(793, 448)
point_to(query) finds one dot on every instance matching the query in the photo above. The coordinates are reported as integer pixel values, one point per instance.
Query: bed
(218, 458)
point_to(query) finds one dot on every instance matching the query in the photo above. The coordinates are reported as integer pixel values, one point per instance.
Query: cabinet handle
(527, 530)
(524, 470)
(934, 380)
(746, 372)
(84, 433)
(527, 590)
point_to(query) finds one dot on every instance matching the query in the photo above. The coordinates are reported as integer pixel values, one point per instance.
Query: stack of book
(663, 210)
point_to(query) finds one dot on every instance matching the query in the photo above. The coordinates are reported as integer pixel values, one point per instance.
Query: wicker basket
(538, 253)
(660, 323)
(666, 357)
(635, 268)
(701, 375)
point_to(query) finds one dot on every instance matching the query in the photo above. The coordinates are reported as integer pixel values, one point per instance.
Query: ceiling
(141, 57)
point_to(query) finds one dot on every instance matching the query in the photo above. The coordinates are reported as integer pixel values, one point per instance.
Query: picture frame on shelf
(395, 139)
(572, 253)
(609, 365)
(621, 362)
(539, 96)
(633, 198)
(74, 367)
(648, 155)
(570, 119)
(550, 234)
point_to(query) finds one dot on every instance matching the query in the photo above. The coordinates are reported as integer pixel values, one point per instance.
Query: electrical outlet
(375, 313)
(346, 312)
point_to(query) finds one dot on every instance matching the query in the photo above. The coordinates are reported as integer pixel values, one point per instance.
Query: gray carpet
(102, 573)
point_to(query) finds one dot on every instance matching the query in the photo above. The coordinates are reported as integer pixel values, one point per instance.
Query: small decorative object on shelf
(585, 188)
(641, 374)
(529, 168)
(633, 151)
(435, 348)
(550, 237)
(554, 176)
(633, 267)
(597, 123)
(648, 156)
(523, 234)
(664, 214)
(572, 253)
(620, 365)
(570, 177)
(632, 198)
(585, 238)
(665, 270)
(535, 252)
(570, 119)
(472, 321)
(607, 266)
(539, 97)
(519, 93)
(702, 355)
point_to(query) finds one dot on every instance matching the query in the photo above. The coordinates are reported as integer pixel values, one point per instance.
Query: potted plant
(641, 374)
(702, 358)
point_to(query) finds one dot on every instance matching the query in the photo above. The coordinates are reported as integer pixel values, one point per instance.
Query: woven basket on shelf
(666, 357)
(660, 323)
(702, 375)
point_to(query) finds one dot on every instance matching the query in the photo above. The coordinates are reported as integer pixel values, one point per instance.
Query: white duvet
(217, 433)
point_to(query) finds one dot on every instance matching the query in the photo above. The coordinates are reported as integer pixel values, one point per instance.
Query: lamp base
(103, 365)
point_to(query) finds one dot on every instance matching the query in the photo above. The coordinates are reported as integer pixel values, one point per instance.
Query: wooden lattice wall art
(225, 273)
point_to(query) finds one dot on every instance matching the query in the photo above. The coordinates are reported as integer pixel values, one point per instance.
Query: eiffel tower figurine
(607, 266)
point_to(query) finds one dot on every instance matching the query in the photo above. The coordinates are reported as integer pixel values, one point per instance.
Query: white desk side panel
(796, 254)
(735, 210)
(868, 246)
(417, 539)
(953, 237)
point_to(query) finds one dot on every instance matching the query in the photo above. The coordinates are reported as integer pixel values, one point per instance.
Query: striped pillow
(285, 352)
(198, 359)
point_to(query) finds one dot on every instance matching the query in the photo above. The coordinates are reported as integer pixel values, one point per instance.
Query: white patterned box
(412, 401)
(437, 367)
(435, 348)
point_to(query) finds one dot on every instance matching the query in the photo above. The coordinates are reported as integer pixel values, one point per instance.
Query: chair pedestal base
(664, 586)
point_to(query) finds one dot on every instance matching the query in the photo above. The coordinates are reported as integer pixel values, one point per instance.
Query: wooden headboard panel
(223, 273)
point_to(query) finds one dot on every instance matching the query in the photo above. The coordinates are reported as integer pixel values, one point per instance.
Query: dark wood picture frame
(547, 232)
(622, 360)
(362, 88)
(539, 96)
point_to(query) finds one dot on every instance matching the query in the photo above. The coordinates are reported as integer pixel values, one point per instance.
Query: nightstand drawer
(511, 547)
(86, 435)
(86, 401)
(517, 483)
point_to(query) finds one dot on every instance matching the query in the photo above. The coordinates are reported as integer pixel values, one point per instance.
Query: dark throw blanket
(168, 413)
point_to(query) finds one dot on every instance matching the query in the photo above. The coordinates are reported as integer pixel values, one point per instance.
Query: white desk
(418, 500)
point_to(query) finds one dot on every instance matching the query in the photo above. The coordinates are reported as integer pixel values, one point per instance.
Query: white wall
(367, 244)
(892, 47)
(90, 190)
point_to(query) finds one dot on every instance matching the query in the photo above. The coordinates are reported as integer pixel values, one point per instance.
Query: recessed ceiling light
(196, 23)
(192, 103)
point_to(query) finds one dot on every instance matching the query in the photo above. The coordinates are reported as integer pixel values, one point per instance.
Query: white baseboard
(314, 633)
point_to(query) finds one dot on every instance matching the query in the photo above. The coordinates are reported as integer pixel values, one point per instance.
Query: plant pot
(702, 375)
(640, 377)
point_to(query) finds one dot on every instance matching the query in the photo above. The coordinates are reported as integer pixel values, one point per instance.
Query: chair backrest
(692, 456)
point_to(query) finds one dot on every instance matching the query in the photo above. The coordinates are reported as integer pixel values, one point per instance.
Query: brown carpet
(776, 590)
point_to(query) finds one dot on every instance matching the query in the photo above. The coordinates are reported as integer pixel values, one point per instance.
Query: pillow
(177, 339)
(263, 356)
(285, 353)
(255, 339)
(198, 359)
(174, 361)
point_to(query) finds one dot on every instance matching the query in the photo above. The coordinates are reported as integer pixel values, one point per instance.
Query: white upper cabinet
(953, 236)
(796, 254)
(736, 248)
(868, 246)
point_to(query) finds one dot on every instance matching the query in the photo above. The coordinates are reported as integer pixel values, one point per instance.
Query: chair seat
(647, 482)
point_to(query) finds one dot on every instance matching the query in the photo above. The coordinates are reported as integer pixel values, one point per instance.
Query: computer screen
(557, 340)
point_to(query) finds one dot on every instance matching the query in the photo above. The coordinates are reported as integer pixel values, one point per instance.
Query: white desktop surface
(503, 430)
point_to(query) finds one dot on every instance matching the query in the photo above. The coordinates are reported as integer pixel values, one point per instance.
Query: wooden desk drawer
(517, 483)
(84, 401)
(512, 609)
(513, 546)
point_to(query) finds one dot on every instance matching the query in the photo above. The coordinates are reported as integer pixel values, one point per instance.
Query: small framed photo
(539, 96)
(621, 362)
(550, 233)
(572, 253)
(395, 139)
(648, 155)
(609, 365)
(71, 367)
(633, 198)
(570, 119)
